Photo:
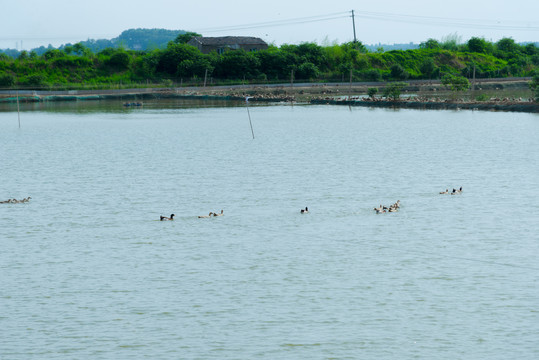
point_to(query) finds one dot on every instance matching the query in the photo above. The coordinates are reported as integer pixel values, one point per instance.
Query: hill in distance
(132, 39)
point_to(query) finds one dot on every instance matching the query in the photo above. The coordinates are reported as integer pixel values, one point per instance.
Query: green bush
(7, 80)
(372, 92)
(34, 80)
(77, 64)
(393, 90)
(482, 97)
(455, 82)
(371, 75)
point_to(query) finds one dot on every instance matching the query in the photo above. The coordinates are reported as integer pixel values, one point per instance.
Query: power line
(481, 24)
(284, 22)
(443, 21)
(386, 17)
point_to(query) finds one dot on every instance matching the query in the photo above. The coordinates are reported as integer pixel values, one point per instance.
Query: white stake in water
(249, 114)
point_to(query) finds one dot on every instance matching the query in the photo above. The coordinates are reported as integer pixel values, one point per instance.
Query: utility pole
(354, 25)
(350, 90)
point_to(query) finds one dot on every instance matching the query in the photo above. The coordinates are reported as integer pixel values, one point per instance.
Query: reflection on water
(117, 106)
(89, 271)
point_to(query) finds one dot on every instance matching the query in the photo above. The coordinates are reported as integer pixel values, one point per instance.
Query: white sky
(39, 22)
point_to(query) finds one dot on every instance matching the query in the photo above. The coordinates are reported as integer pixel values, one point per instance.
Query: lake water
(87, 270)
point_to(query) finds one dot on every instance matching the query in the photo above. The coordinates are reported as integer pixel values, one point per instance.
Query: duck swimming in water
(164, 218)
(444, 192)
(306, 210)
(205, 216)
(15, 201)
(216, 214)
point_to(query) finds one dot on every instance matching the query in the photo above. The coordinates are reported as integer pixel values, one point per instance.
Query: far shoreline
(425, 95)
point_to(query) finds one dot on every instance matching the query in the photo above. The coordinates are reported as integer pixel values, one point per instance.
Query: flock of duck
(211, 214)
(391, 208)
(15, 201)
(379, 210)
(454, 192)
(395, 207)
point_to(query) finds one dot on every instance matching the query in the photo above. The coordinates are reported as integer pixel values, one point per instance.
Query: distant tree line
(77, 65)
(132, 39)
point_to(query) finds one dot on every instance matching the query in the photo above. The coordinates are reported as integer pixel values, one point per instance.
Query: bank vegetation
(179, 64)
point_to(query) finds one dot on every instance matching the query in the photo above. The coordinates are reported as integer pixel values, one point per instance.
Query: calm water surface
(88, 271)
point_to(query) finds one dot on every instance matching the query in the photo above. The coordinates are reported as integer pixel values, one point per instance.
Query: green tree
(372, 75)
(145, 65)
(534, 86)
(450, 42)
(430, 44)
(68, 49)
(479, 45)
(80, 49)
(427, 67)
(194, 68)
(307, 71)
(372, 92)
(23, 55)
(7, 80)
(398, 73)
(275, 63)
(308, 52)
(34, 80)
(506, 45)
(237, 64)
(120, 60)
(393, 90)
(531, 49)
(184, 38)
(54, 53)
(455, 82)
(175, 54)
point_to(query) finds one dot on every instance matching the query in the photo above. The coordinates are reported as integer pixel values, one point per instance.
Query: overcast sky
(33, 23)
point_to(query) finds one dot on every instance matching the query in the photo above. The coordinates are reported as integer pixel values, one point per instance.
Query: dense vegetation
(77, 66)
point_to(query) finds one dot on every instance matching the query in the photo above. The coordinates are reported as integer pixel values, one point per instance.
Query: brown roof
(229, 40)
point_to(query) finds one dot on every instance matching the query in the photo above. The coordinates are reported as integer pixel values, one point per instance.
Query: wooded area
(78, 67)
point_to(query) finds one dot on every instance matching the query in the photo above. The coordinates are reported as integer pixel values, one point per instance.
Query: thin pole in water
(18, 110)
(249, 114)
(350, 90)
